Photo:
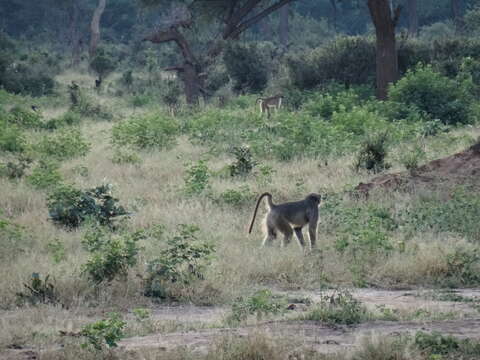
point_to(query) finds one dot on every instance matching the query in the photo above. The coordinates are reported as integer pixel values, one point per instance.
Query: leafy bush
(68, 119)
(438, 345)
(372, 154)
(13, 239)
(339, 308)
(140, 100)
(438, 96)
(125, 156)
(237, 197)
(325, 104)
(437, 31)
(45, 175)
(70, 207)
(246, 66)
(346, 60)
(64, 144)
(411, 158)
(146, 131)
(244, 162)
(196, 178)
(111, 255)
(25, 118)
(38, 291)
(260, 304)
(11, 137)
(180, 264)
(102, 63)
(104, 332)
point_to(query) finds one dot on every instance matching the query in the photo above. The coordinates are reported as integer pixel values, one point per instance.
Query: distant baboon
(288, 218)
(34, 108)
(274, 102)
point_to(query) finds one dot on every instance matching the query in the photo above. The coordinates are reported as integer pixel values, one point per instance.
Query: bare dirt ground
(460, 318)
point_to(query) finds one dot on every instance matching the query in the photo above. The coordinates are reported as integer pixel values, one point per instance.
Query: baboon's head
(315, 198)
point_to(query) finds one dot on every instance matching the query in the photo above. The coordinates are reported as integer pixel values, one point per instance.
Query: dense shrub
(246, 66)
(347, 60)
(325, 104)
(438, 96)
(244, 162)
(181, 263)
(70, 207)
(64, 144)
(102, 63)
(11, 137)
(45, 175)
(372, 153)
(25, 118)
(197, 178)
(152, 130)
(110, 255)
(68, 119)
(105, 332)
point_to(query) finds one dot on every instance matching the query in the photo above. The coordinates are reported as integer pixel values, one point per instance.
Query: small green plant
(12, 138)
(141, 314)
(70, 207)
(411, 158)
(197, 178)
(373, 153)
(236, 197)
(111, 255)
(140, 100)
(70, 118)
(64, 144)
(125, 156)
(260, 304)
(25, 118)
(45, 175)
(57, 249)
(183, 262)
(152, 130)
(106, 332)
(102, 63)
(338, 308)
(244, 162)
(38, 291)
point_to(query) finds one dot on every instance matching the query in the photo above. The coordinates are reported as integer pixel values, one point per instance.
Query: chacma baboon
(34, 108)
(288, 218)
(274, 102)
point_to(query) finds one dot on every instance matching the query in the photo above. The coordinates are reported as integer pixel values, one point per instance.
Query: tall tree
(412, 18)
(385, 21)
(75, 38)
(283, 25)
(95, 27)
(234, 17)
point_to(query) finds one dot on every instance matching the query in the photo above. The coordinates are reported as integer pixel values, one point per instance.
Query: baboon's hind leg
(269, 236)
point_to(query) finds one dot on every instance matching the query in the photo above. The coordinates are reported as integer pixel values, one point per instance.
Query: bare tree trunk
(412, 18)
(95, 28)
(75, 34)
(387, 59)
(283, 25)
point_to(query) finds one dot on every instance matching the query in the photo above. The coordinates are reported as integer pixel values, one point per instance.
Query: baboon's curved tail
(270, 204)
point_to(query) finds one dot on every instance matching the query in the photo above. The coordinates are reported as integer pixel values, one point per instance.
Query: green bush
(13, 239)
(437, 346)
(197, 178)
(45, 175)
(346, 60)
(146, 131)
(104, 332)
(339, 308)
(325, 104)
(63, 144)
(125, 156)
(372, 153)
(181, 263)
(438, 96)
(260, 304)
(68, 119)
(25, 118)
(11, 137)
(244, 162)
(70, 207)
(237, 197)
(110, 255)
(102, 63)
(247, 66)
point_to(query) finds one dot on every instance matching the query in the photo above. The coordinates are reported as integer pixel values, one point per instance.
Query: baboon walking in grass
(288, 218)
